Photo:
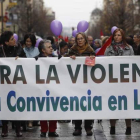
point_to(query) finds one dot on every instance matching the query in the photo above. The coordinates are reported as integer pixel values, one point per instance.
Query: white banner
(52, 89)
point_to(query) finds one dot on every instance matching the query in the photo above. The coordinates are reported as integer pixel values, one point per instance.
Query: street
(65, 130)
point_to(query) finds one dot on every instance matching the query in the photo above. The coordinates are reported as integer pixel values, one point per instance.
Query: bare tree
(33, 19)
(118, 13)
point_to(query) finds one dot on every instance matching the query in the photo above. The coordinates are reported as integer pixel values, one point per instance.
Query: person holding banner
(82, 48)
(31, 52)
(9, 49)
(119, 47)
(46, 50)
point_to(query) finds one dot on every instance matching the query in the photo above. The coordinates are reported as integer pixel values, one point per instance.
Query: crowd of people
(81, 45)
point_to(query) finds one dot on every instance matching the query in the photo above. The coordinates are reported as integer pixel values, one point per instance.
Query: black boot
(24, 126)
(128, 131)
(18, 128)
(4, 130)
(53, 134)
(19, 134)
(112, 130)
(13, 125)
(77, 132)
(4, 134)
(89, 132)
(43, 134)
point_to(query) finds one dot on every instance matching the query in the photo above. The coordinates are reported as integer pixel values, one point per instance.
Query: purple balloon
(113, 29)
(38, 41)
(74, 33)
(15, 37)
(82, 26)
(56, 27)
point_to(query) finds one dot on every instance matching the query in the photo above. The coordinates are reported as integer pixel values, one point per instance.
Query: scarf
(82, 49)
(31, 52)
(118, 48)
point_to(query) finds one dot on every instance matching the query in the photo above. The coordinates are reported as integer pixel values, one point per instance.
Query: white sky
(70, 12)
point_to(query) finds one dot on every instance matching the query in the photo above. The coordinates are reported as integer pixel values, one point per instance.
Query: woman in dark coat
(10, 49)
(82, 48)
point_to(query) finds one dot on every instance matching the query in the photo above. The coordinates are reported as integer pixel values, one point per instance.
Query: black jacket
(138, 50)
(42, 55)
(11, 51)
